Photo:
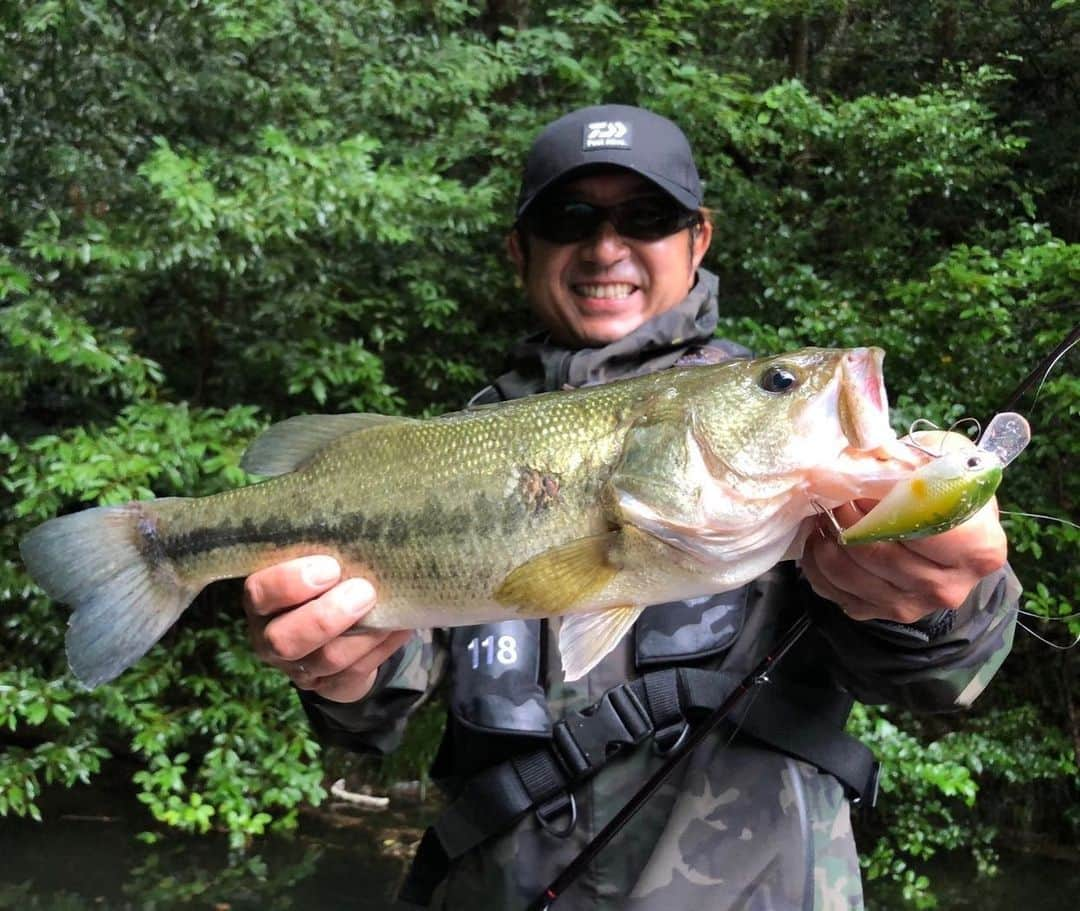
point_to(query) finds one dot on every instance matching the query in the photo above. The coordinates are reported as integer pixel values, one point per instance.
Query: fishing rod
(1043, 367)
(757, 677)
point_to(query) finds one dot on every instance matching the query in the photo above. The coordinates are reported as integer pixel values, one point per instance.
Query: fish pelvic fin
(109, 565)
(292, 443)
(585, 639)
(556, 580)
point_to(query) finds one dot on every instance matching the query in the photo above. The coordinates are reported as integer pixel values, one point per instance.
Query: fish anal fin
(584, 639)
(290, 444)
(556, 580)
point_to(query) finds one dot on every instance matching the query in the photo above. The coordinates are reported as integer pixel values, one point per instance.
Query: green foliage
(928, 789)
(217, 215)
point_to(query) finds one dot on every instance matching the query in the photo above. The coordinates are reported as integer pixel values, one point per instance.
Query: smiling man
(586, 278)
(609, 229)
(608, 239)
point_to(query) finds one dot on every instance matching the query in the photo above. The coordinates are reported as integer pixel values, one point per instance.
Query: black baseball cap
(608, 135)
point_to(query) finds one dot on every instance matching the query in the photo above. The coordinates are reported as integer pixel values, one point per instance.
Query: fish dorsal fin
(290, 444)
(558, 579)
(584, 639)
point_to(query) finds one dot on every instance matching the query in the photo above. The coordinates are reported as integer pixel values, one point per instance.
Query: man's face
(597, 290)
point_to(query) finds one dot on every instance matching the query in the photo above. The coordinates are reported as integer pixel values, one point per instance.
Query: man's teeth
(606, 290)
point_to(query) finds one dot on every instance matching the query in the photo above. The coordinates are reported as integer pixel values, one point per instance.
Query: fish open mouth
(873, 459)
(863, 406)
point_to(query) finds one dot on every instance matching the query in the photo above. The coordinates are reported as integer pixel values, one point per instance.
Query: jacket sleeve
(376, 723)
(941, 663)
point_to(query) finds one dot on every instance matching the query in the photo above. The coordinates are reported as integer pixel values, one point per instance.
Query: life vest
(496, 699)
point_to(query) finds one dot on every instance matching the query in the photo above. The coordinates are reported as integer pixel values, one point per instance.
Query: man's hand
(297, 612)
(903, 581)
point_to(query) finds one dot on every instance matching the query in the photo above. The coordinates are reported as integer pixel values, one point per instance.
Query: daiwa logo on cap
(606, 134)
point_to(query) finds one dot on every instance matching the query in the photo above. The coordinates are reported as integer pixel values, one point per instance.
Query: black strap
(661, 703)
(790, 725)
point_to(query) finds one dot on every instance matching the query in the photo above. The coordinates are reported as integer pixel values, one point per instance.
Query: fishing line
(1045, 641)
(1038, 515)
(1046, 376)
(1043, 368)
(1061, 619)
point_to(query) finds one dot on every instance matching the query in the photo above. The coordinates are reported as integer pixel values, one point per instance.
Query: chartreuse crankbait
(949, 489)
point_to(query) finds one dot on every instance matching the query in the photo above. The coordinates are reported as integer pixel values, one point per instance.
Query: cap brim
(679, 193)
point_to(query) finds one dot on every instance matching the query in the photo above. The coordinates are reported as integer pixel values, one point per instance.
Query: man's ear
(702, 237)
(515, 249)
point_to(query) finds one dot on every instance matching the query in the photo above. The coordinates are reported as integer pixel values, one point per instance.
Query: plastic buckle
(584, 740)
(550, 809)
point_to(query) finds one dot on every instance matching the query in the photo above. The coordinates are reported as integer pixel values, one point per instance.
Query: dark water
(78, 861)
(1026, 883)
(86, 857)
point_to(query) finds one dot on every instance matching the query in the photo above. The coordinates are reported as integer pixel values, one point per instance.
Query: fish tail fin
(109, 564)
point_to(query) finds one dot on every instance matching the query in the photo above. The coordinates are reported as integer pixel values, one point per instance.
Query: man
(608, 242)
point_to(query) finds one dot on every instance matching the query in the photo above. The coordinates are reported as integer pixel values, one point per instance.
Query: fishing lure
(949, 489)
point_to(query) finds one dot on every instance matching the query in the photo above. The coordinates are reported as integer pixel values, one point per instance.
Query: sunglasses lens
(568, 222)
(648, 219)
(564, 222)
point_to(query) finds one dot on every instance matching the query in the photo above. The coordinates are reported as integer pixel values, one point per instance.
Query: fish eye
(778, 379)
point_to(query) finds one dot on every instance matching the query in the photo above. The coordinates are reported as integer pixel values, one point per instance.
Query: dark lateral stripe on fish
(149, 541)
(484, 514)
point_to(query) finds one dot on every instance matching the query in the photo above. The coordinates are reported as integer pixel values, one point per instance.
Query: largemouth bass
(586, 505)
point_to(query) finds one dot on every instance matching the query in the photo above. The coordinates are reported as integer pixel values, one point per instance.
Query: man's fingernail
(319, 571)
(355, 597)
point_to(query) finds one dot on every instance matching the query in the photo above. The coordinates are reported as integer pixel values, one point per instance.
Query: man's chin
(599, 330)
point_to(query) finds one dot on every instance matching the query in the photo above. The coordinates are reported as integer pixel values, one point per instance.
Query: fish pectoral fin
(290, 444)
(557, 579)
(584, 639)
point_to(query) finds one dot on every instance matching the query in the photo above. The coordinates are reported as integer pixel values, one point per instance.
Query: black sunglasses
(568, 221)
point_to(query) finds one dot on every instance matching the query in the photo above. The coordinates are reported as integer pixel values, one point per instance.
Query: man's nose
(606, 246)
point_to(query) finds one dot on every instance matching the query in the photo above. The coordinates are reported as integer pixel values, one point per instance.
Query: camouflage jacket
(737, 825)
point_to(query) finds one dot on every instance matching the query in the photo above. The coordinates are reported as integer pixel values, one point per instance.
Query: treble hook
(910, 438)
(828, 513)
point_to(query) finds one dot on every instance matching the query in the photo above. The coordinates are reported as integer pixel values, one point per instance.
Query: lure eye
(974, 462)
(778, 379)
